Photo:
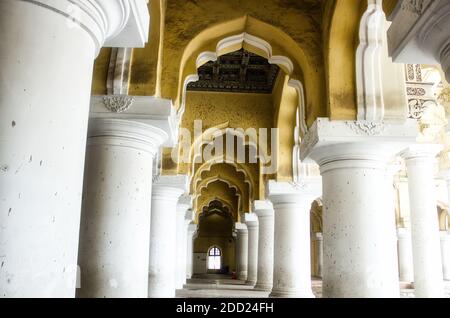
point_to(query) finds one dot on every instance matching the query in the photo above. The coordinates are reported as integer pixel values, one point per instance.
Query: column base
(283, 293)
(242, 276)
(250, 282)
(263, 287)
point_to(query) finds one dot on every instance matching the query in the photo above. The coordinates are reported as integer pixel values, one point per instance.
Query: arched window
(214, 258)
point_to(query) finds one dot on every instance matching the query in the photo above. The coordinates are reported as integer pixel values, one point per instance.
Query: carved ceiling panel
(240, 71)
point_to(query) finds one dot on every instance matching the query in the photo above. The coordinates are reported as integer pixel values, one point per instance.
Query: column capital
(125, 133)
(403, 232)
(263, 208)
(189, 216)
(445, 236)
(119, 23)
(421, 152)
(304, 190)
(251, 220)
(158, 112)
(241, 228)
(184, 204)
(170, 187)
(329, 141)
(192, 228)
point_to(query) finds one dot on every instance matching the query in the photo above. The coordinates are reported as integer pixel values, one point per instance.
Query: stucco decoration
(118, 103)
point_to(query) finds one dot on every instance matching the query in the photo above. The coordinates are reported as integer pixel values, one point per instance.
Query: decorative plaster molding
(367, 128)
(414, 6)
(328, 139)
(186, 200)
(196, 177)
(230, 185)
(301, 108)
(419, 33)
(119, 71)
(150, 110)
(444, 96)
(369, 69)
(155, 178)
(118, 103)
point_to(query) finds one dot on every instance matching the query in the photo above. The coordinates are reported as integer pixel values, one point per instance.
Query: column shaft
(318, 239)
(192, 229)
(46, 58)
(252, 226)
(265, 213)
(181, 241)
(161, 282)
(420, 162)
(115, 222)
(242, 251)
(445, 254)
(292, 247)
(360, 259)
(45, 86)
(405, 256)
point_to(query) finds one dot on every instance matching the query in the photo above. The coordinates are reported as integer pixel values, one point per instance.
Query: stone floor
(222, 286)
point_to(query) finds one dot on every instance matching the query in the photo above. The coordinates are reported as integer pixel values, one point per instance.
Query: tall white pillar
(405, 255)
(251, 220)
(115, 219)
(184, 214)
(46, 60)
(420, 162)
(264, 211)
(292, 245)
(445, 254)
(360, 252)
(241, 251)
(318, 239)
(191, 235)
(359, 231)
(166, 192)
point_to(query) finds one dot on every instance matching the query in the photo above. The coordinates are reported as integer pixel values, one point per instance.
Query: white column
(251, 220)
(264, 211)
(166, 192)
(360, 252)
(359, 232)
(46, 61)
(420, 162)
(292, 245)
(445, 254)
(405, 256)
(318, 239)
(184, 204)
(241, 251)
(191, 234)
(115, 219)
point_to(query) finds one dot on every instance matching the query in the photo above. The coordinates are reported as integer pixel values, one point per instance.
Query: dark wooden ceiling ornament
(240, 71)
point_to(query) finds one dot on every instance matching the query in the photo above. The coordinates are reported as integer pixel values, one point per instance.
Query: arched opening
(214, 247)
(214, 259)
